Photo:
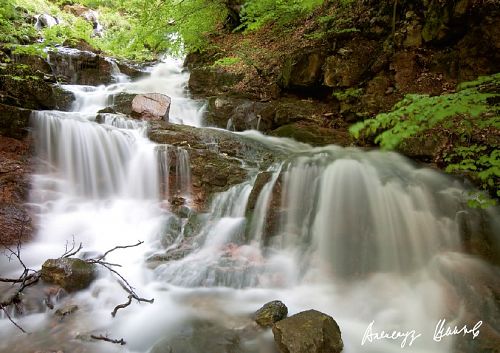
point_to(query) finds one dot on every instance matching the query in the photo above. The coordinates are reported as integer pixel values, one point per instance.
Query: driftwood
(105, 338)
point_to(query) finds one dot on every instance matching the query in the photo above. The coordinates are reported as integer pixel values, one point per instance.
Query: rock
(310, 133)
(69, 273)
(210, 81)
(14, 121)
(122, 102)
(348, 67)
(131, 69)
(309, 331)
(45, 21)
(236, 114)
(270, 313)
(81, 67)
(151, 106)
(303, 71)
(63, 99)
(262, 179)
(218, 159)
(21, 86)
(66, 310)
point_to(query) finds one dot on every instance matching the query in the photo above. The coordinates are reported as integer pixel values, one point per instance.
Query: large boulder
(210, 80)
(309, 331)
(217, 159)
(151, 106)
(270, 313)
(69, 273)
(304, 70)
(24, 87)
(81, 67)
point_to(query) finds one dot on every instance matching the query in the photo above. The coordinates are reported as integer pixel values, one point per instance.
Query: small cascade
(90, 160)
(183, 172)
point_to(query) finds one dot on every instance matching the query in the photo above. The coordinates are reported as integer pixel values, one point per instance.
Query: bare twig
(122, 306)
(72, 251)
(139, 242)
(105, 338)
(10, 318)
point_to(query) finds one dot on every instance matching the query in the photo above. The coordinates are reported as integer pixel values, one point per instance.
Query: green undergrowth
(467, 121)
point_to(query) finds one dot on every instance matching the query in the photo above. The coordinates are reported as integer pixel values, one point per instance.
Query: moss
(348, 94)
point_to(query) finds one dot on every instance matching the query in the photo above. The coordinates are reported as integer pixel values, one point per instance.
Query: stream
(364, 236)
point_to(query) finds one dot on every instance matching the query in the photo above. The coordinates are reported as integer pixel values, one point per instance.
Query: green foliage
(13, 27)
(418, 113)
(350, 93)
(257, 13)
(470, 115)
(481, 164)
(227, 61)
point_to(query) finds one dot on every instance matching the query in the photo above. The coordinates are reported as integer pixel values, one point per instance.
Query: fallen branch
(12, 320)
(122, 306)
(105, 338)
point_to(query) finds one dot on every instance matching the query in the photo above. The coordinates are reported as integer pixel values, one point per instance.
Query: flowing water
(362, 236)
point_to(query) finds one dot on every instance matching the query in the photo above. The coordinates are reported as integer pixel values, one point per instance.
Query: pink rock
(151, 106)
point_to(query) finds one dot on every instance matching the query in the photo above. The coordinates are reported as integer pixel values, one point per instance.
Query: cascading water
(361, 236)
(167, 78)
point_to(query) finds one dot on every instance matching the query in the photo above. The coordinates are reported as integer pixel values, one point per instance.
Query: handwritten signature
(441, 331)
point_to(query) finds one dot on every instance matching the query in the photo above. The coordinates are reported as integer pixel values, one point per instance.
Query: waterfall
(363, 236)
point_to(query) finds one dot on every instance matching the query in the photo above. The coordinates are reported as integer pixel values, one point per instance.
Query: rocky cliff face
(346, 63)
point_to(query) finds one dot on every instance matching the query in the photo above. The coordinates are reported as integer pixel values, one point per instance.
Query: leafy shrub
(257, 13)
(470, 118)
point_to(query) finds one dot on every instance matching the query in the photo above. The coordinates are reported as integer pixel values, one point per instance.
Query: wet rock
(311, 134)
(14, 121)
(63, 99)
(66, 310)
(194, 224)
(270, 313)
(151, 106)
(262, 179)
(218, 159)
(45, 21)
(22, 86)
(210, 81)
(69, 273)
(309, 331)
(201, 336)
(122, 102)
(81, 67)
(170, 231)
(35, 62)
(130, 69)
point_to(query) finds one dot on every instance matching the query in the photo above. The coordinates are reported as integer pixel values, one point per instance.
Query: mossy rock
(309, 331)
(69, 273)
(270, 313)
